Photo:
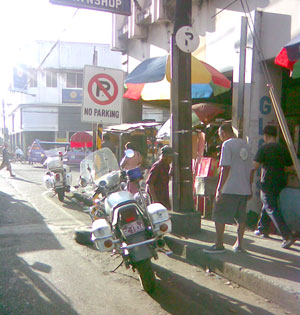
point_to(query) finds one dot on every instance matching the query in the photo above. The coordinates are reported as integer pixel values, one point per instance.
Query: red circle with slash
(100, 87)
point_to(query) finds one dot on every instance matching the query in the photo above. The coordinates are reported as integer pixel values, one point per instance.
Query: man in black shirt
(273, 158)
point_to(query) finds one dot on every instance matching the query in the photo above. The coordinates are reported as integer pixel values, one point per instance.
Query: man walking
(233, 189)
(5, 159)
(273, 158)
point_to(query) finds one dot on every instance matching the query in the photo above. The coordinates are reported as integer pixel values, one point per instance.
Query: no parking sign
(102, 95)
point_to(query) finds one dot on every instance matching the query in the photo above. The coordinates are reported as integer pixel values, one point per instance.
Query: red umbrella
(289, 57)
(82, 139)
(206, 112)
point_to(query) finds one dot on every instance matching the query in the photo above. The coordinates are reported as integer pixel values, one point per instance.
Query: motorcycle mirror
(129, 153)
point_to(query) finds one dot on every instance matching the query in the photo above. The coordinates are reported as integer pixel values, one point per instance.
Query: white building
(222, 24)
(45, 99)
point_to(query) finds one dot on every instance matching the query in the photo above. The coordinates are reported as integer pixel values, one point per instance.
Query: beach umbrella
(289, 57)
(150, 80)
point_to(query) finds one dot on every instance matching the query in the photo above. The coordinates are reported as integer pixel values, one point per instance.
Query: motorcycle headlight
(42, 154)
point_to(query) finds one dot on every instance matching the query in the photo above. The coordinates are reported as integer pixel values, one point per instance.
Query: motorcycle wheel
(147, 277)
(83, 237)
(61, 195)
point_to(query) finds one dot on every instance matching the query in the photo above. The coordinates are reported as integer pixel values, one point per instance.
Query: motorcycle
(125, 224)
(58, 177)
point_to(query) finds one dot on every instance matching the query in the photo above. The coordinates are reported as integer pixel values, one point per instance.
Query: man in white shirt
(233, 189)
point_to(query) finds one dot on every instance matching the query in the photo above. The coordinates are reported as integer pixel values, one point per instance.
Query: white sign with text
(102, 95)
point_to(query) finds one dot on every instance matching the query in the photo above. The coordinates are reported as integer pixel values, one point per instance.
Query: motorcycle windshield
(97, 164)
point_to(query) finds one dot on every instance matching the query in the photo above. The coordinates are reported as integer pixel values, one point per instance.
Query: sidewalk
(266, 268)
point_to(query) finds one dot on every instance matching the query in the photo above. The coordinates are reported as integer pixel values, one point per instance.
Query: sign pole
(184, 219)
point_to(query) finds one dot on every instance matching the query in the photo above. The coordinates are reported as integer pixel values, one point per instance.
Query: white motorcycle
(123, 223)
(58, 176)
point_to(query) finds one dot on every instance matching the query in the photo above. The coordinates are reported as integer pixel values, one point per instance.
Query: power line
(229, 5)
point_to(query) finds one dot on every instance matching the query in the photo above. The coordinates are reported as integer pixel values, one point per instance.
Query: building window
(32, 78)
(74, 80)
(51, 79)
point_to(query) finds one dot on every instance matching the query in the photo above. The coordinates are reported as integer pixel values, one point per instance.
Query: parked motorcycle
(125, 224)
(58, 177)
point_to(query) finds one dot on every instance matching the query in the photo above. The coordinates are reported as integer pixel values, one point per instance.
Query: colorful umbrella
(289, 57)
(150, 80)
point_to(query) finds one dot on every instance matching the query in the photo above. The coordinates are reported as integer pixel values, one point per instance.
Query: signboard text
(115, 6)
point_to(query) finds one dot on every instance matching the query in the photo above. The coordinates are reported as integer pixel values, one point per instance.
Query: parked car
(75, 155)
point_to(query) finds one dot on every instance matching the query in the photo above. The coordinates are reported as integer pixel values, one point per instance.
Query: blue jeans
(271, 211)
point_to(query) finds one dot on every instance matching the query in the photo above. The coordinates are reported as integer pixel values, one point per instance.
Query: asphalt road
(44, 271)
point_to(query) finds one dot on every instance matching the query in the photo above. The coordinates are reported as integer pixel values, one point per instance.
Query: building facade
(45, 98)
(241, 40)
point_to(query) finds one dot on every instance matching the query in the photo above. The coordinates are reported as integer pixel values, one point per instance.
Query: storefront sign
(122, 7)
(20, 78)
(72, 96)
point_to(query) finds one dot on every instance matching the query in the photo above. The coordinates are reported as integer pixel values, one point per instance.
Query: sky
(25, 20)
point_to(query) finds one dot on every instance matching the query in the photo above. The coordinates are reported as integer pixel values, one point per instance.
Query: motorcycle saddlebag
(102, 236)
(159, 215)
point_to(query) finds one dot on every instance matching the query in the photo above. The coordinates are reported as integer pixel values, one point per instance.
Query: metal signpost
(122, 7)
(102, 95)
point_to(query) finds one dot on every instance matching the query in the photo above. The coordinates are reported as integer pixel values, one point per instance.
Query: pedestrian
(233, 188)
(159, 176)
(273, 158)
(6, 155)
(19, 154)
(129, 163)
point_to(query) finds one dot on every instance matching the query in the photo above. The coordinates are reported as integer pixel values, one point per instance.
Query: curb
(246, 278)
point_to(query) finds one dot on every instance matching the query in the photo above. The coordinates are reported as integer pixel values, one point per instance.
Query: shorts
(230, 208)
(5, 163)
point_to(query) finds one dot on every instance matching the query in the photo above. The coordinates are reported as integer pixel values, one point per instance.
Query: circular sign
(187, 39)
(103, 89)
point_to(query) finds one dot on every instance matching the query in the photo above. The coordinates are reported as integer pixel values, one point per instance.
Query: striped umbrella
(150, 80)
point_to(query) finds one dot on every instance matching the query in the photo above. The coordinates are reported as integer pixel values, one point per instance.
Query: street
(43, 270)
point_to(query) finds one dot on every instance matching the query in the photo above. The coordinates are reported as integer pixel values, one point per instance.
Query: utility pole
(184, 218)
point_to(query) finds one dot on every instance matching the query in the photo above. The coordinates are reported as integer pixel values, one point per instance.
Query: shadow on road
(25, 180)
(172, 291)
(23, 288)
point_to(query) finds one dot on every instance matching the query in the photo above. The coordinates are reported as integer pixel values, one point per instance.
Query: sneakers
(260, 233)
(238, 249)
(214, 250)
(288, 243)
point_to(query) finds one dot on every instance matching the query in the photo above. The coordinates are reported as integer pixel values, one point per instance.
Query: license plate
(133, 227)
